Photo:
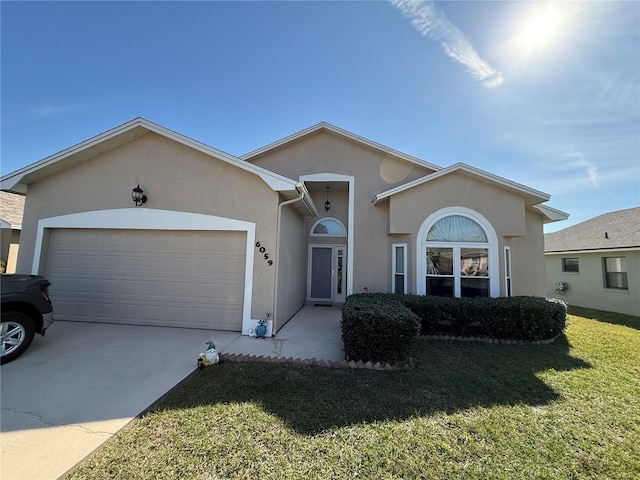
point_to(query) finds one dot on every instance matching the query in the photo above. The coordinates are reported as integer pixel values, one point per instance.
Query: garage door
(148, 277)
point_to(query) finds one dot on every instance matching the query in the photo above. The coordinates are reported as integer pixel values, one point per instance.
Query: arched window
(458, 255)
(328, 227)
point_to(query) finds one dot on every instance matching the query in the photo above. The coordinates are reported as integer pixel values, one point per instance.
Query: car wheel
(16, 334)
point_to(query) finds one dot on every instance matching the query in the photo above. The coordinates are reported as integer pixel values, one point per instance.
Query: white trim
(344, 133)
(334, 272)
(551, 214)
(393, 267)
(151, 219)
(597, 250)
(276, 181)
(508, 272)
(462, 167)
(336, 177)
(311, 234)
(492, 245)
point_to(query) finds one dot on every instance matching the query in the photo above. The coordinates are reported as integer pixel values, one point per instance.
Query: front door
(326, 282)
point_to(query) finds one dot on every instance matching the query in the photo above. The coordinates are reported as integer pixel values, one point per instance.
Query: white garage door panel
(146, 277)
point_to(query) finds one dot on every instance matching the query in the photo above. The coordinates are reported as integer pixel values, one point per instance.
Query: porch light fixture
(327, 204)
(138, 196)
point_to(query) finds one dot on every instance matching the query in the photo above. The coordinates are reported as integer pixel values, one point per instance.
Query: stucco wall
(505, 210)
(374, 172)
(587, 287)
(292, 264)
(527, 258)
(174, 177)
(515, 225)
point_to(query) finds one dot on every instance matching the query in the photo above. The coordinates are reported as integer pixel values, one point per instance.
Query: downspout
(300, 190)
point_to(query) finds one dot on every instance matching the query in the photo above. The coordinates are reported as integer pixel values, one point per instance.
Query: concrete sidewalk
(313, 332)
(78, 386)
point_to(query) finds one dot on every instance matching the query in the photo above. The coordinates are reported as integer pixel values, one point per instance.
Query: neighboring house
(11, 208)
(598, 262)
(224, 241)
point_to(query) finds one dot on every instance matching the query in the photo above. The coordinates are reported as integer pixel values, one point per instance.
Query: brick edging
(360, 365)
(344, 364)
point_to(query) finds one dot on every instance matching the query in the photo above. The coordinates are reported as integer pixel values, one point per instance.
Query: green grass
(568, 410)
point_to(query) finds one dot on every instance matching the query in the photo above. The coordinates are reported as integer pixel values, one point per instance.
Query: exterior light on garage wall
(138, 196)
(327, 204)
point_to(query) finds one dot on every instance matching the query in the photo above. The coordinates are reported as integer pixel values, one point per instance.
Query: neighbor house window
(399, 268)
(329, 227)
(457, 254)
(570, 265)
(615, 273)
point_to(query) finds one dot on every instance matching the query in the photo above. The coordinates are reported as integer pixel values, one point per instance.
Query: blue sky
(447, 82)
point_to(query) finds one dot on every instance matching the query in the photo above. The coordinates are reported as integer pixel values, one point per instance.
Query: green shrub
(378, 328)
(506, 318)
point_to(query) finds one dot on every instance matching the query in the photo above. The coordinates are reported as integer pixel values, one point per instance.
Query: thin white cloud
(432, 22)
(578, 160)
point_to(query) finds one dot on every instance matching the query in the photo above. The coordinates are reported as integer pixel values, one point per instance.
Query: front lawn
(570, 409)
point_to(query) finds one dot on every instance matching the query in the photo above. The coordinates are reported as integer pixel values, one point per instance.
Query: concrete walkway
(313, 332)
(82, 383)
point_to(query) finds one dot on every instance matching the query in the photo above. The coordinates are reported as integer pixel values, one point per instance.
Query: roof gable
(613, 230)
(332, 129)
(18, 181)
(531, 195)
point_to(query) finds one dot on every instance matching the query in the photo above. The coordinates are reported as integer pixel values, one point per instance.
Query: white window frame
(394, 247)
(327, 234)
(625, 271)
(491, 246)
(508, 279)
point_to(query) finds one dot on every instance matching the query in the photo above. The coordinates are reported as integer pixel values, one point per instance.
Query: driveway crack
(50, 424)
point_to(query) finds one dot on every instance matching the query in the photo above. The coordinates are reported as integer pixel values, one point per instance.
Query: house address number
(264, 253)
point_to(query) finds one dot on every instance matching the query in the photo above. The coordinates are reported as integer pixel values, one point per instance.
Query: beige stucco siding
(174, 177)
(504, 209)
(587, 287)
(373, 173)
(527, 258)
(325, 152)
(292, 265)
(514, 224)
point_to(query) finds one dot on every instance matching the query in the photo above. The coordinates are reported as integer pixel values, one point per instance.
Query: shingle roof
(619, 229)
(11, 208)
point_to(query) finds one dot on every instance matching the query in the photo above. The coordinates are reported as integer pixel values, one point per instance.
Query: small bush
(507, 318)
(378, 328)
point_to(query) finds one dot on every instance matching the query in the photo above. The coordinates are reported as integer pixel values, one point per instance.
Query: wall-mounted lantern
(138, 196)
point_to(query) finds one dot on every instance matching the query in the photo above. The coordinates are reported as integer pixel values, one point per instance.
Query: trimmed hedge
(384, 327)
(378, 329)
(505, 318)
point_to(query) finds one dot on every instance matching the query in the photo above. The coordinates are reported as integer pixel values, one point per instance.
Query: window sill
(616, 290)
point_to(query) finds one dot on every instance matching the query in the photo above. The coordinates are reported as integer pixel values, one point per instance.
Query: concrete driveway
(75, 388)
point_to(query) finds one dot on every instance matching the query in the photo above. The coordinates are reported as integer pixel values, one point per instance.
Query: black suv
(26, 310)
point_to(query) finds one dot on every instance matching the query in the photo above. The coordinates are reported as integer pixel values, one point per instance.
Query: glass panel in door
(321, 273)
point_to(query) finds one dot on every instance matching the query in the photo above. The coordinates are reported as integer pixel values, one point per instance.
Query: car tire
(17, 332)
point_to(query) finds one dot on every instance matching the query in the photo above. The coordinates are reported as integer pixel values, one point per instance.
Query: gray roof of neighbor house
(11, 209)
(613, 230)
